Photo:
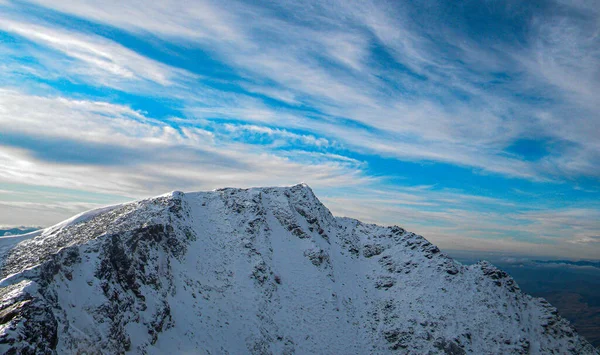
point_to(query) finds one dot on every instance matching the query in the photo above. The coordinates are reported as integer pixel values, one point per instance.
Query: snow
(262, 270)
(7, 242)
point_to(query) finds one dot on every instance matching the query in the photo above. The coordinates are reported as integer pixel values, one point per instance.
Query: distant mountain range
(570, 262)
(16, 230)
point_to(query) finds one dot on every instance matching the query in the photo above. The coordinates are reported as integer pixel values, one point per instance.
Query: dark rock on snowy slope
(265, 270)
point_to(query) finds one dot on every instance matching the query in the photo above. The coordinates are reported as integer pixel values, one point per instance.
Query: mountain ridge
(261, 270)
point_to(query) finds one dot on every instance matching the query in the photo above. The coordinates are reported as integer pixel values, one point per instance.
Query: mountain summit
(261, 270)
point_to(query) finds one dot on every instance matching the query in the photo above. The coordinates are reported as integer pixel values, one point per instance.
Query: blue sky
(473, 123)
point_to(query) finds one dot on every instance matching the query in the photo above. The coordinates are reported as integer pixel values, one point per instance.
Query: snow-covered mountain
(10, 231)
(263, 270)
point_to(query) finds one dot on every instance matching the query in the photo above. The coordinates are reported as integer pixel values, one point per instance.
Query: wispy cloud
(593, 239)
(94, 58)
(255, 94)
(139, 155)
(469, 222)
(444, 102)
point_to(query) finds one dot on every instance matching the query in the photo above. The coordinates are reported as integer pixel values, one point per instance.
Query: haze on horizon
(475, 124)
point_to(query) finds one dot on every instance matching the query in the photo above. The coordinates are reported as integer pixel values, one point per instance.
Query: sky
(472, 123)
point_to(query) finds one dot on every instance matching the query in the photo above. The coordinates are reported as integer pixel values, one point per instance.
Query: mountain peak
(259, 270)
(301, 187)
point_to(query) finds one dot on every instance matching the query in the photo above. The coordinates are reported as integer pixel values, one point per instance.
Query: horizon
(474, 125)
(457, 254)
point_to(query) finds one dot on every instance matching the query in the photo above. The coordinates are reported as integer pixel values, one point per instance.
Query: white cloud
(467, 222)
(587, 240)
(97, 58)
(425, 103)
(277, 135)
(198, 20)
(45, 213)
(150, 157)
(322, 57)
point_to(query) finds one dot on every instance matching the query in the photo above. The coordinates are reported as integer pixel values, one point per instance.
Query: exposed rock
(371, 250)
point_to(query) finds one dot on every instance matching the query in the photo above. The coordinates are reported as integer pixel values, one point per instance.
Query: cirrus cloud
(117, 98)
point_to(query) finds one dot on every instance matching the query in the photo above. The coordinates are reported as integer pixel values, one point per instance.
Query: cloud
(571, 224)
(281, 90)
(459, 221)
(112, 149)
(45, 213)
(199, 20)
(440, 91)
(594, 239)
(274, 135)
(93, 57)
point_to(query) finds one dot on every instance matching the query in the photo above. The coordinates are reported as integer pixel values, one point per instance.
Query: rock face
(259, 271)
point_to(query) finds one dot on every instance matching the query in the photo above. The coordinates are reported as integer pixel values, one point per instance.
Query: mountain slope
(264, 270)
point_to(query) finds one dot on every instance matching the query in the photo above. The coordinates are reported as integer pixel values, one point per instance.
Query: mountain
(590, 263)
(573, 289)
(16, 231)
(262, 270)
